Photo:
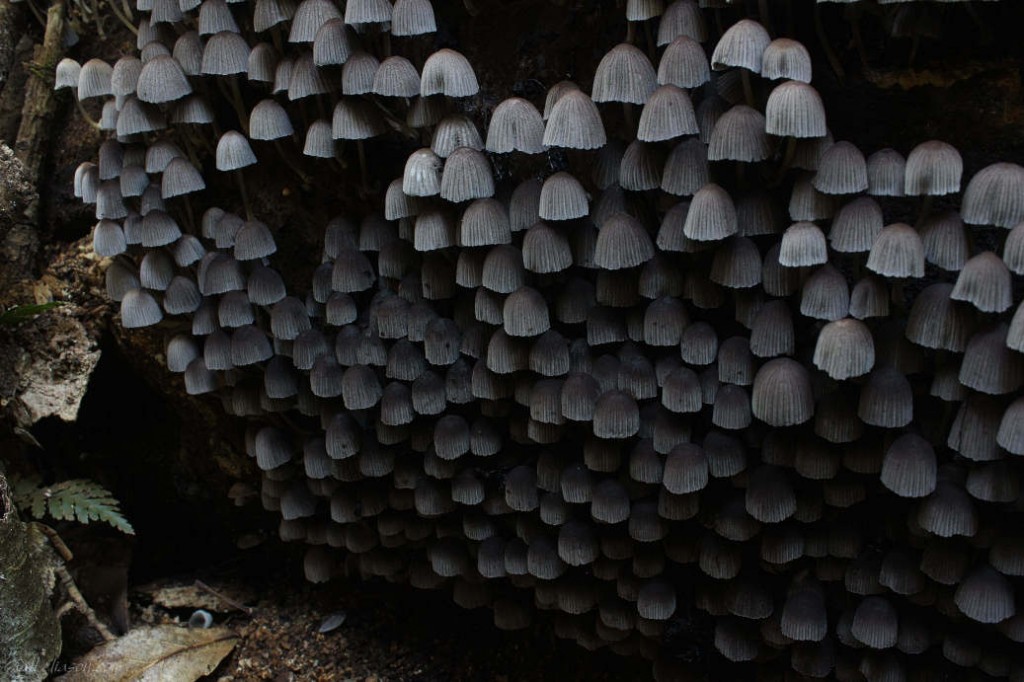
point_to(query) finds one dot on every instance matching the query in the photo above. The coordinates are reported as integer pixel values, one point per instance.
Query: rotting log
(40, 104)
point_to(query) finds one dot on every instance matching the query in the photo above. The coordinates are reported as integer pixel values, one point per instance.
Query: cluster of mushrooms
(676, 377)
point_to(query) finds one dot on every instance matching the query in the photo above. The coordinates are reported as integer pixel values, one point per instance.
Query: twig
(247, 610)
(77, 601)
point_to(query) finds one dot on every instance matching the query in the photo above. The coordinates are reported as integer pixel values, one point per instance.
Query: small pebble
(332, 622)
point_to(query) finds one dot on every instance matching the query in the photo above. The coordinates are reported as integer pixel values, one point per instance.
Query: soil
(390, 633)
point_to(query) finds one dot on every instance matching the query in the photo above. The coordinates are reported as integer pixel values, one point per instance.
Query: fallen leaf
(152, 654)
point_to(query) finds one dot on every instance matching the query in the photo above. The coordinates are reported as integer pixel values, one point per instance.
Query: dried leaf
(151, 654)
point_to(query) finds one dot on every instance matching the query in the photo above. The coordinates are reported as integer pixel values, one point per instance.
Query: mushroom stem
(926, 208)
(787, 159)
(122, 17)
(765, 15)
(833, 60)
(245, 195)
(652, 49)
(362, 166)
(630, 32)
(85, 114)
(748, 88)
(238, 104)
(303, 176)
(629, 116)
(190, 219)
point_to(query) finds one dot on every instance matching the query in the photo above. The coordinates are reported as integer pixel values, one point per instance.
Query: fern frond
(83, 500)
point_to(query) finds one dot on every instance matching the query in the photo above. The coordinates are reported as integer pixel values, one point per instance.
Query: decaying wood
(40, 105)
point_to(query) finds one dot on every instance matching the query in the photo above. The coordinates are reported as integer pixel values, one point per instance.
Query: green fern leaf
(86, 501)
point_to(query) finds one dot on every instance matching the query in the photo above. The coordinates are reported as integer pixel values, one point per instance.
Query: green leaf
(21, 313)
(86, 501)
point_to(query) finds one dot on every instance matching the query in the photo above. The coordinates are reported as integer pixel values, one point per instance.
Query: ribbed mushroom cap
(667, 114)
(358, 73)
(249, 345)
(994, 196)
(333, 44)
(641, 10)
(449, 73)
(355, 119)
(108, 239)
(622, 243)
(985, 282)
(562, 197)
(933, 168)
(555, 93)
(156, 270)
(803, 244)
(995, 482)
(742, 45)
(422, 175)
(67, 72)
(935, 321)
(180, 177)
(786, 58)
(782, 394)
(94, 79)
(886, 173)
(973, 433)
(610, 502)
(139, 309)
(841, 170)
(137, 117)
(309, 16)
(845, 349)
(684, 64)
(412, 18)
(452, 132)
(989, 365)
(396, 77)
(985, 596)
(886, 399)
(686, 169)
(516, 125)
(225, 54)
(1011, 428)
(575, 123)
(737, 264)
(466, 175)
(711, 215)
(795, 109)
(525, 313)
(639, 170)
(804, 618)
(367, 12)
(656, 600)
(484, 223)
(771, 332)
(162, 80)
(948, 512)
(624, 74)
(909, 468)
(769, 497)
(807, 203)
(856, 226)
(945, 240)
(234, 152)
(682, 18)
(214, 17)
(546, 250)
(739, 136)
(875, 623)
(269, 121)
(897, 252)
